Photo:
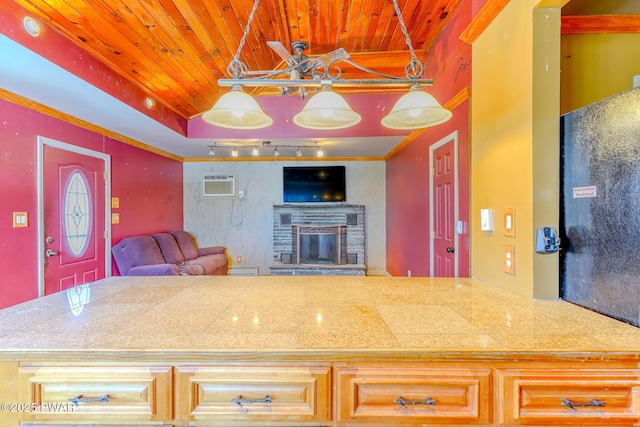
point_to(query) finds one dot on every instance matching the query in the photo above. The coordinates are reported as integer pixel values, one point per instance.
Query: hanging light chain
(414, 69)
(236, 68)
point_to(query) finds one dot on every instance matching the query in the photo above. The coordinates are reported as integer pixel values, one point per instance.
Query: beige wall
(514, 145)
(611, 61)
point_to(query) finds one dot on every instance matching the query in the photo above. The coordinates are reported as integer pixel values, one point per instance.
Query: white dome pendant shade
(326, 110)
(237, 110)
(415, 110)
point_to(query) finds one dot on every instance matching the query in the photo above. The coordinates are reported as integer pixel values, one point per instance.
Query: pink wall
(149, 187)
(150, 191)
(449, 64)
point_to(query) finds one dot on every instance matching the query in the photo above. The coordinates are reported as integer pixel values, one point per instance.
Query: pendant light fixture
(237, 110)
(326, 110)
(416, 109)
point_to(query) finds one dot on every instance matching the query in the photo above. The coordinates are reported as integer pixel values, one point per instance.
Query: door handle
(50, 252)
(451, 249)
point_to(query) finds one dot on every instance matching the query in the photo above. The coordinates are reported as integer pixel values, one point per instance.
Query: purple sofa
(168, 254)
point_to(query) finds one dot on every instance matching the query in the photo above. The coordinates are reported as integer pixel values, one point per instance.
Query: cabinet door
(603, 397)
(253, 395)
(413, 395)
(96, 394)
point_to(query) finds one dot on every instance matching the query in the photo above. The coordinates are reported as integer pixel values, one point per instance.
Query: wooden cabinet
(413, 395)
(95, 394)
(253, 395)
(603, 397)
(330, 393)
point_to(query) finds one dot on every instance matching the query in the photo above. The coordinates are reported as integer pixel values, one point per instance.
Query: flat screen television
(310, 184)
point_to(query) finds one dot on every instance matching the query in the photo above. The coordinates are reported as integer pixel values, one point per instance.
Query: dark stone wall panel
(601, 232)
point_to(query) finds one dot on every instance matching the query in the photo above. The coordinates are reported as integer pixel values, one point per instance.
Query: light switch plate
(115, 218)
(20, 219)
(509, 222)
(115, 202)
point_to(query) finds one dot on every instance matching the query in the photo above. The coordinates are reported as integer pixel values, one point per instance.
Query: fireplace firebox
(319, 244)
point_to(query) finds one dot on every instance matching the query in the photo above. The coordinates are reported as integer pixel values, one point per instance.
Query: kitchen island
(313, 351)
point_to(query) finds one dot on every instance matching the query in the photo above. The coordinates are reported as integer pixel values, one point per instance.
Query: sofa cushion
(154, 270)
(134, 251)
(187, 244)
(169, 248)
(211, 250)
(211, 264)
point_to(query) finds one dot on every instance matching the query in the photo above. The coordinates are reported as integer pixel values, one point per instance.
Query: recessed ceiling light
(32, 26)
(149, 102)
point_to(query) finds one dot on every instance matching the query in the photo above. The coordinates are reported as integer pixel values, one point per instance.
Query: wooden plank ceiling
(176, 50)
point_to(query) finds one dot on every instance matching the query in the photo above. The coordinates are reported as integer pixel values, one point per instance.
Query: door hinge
(105, 174)
(106, 234)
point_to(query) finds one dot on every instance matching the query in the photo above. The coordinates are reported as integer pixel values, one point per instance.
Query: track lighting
(289, 150)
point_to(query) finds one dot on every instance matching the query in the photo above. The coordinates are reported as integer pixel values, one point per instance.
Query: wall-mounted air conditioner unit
(219, 185)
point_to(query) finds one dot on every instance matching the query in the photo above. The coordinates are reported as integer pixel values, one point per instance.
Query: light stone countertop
(304, 314)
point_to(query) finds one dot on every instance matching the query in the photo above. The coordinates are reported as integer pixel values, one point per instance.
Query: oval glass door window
(77, 213)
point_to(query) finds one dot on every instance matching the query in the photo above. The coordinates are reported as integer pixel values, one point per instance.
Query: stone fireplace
(318, 240)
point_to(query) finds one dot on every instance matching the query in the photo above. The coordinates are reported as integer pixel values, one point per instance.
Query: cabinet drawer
(570, 397)
(256, 394)
(90, 394)
(407, 395)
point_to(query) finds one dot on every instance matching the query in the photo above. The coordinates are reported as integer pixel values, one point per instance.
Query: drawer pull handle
(592, 402)
(403, 402)
(239, 401)
(80, 399)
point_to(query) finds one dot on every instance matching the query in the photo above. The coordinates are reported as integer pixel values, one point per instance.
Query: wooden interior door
(73, 219)
(443, 214)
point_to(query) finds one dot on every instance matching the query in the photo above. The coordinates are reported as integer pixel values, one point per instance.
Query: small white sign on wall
(582, 192)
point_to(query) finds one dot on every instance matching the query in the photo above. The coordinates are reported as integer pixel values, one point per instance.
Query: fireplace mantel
(287, 220)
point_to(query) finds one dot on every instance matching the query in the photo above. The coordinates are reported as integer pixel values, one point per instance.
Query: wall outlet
(241, 194)
(239, 259)
(509, 259)
(408, 273)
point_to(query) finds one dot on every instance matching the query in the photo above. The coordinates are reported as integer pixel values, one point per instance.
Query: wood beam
(481, 21)
(600, 24)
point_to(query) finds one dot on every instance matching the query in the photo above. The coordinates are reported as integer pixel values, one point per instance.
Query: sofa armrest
(211, 250)
(154, 270)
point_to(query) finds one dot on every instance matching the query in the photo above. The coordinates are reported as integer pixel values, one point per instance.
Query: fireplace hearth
(319, 240)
